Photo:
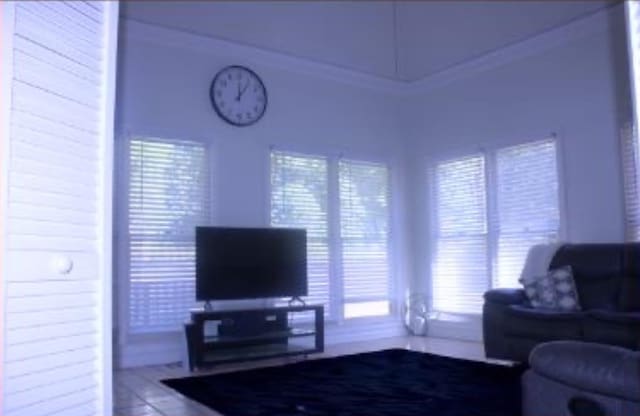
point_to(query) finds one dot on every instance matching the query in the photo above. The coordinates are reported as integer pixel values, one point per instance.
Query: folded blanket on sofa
(538, 259)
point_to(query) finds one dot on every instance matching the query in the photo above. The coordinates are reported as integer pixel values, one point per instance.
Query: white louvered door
(59, 84)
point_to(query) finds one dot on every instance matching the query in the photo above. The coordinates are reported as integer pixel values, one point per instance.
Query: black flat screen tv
(250, 263)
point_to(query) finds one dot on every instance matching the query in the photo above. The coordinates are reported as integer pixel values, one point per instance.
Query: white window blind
(630, 165)
(459, 262)
(632, 9)
(527, 205)
(630, 145)
(364, 235)
(488, 210)
(168, 197)
(299, 198)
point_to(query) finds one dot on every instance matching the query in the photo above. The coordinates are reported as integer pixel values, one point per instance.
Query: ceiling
(402, 40)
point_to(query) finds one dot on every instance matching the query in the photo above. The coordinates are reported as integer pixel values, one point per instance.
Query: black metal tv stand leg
(297, 298)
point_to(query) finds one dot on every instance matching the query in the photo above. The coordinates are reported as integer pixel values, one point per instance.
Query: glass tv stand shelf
(216, 337)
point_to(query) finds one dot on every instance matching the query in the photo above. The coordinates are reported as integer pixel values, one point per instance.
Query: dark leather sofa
(607, 277)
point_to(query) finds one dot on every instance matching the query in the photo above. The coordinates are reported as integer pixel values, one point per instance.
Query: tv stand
(251, 334)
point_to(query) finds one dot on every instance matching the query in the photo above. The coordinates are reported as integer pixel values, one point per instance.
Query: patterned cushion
(556, 290)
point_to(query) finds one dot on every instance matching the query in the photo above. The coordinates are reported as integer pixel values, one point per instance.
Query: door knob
(62, 264)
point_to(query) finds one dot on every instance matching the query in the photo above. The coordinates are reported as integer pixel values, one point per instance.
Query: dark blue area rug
(384, 383)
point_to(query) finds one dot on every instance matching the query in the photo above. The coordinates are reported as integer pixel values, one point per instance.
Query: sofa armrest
(597, 368)
(494, 320)
(505, 296)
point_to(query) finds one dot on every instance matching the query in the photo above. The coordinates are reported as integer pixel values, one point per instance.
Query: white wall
(164, 91)
(577, 89)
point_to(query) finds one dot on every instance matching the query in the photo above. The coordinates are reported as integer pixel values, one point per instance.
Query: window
(630, 144)
(168, 196)
(299, 189)
(364, 237)
(348, 274)
(488, 209)
(460, 262)
(630, 164)
(527, 207)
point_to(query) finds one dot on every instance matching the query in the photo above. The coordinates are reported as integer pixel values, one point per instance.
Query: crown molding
(598, 21)
(160, 35)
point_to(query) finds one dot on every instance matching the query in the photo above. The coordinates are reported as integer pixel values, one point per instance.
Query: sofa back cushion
(629, 299)
(598, 270)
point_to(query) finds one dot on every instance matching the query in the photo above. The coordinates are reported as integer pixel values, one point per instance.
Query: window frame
(630, 141)
(488, 151)
(122, 249)
(630, 171)
(434, 235)
(330, 310)
(389, 240)
(333, 218)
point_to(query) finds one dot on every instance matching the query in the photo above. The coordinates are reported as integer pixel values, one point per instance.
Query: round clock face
(238, 95)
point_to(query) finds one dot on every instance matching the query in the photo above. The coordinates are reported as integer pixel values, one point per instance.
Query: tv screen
(249, 263)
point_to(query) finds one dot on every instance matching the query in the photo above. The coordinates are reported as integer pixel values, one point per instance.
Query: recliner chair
(572, 378)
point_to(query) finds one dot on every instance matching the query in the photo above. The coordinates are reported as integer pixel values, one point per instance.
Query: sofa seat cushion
(597, 368)
(611, 327)
(526, 322)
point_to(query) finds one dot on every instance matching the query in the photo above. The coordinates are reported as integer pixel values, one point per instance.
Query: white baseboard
(145, 353)
(469, 329)
(339, 334)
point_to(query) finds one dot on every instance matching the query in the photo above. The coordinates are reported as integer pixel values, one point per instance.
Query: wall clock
(238, 95)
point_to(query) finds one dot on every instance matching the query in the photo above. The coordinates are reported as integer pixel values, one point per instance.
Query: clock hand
(239, 93)
(244, 89)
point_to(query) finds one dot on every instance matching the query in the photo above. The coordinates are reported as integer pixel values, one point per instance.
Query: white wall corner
(169, 37)
(600, 21)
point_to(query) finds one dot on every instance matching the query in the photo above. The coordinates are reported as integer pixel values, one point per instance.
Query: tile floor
(138, 392)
